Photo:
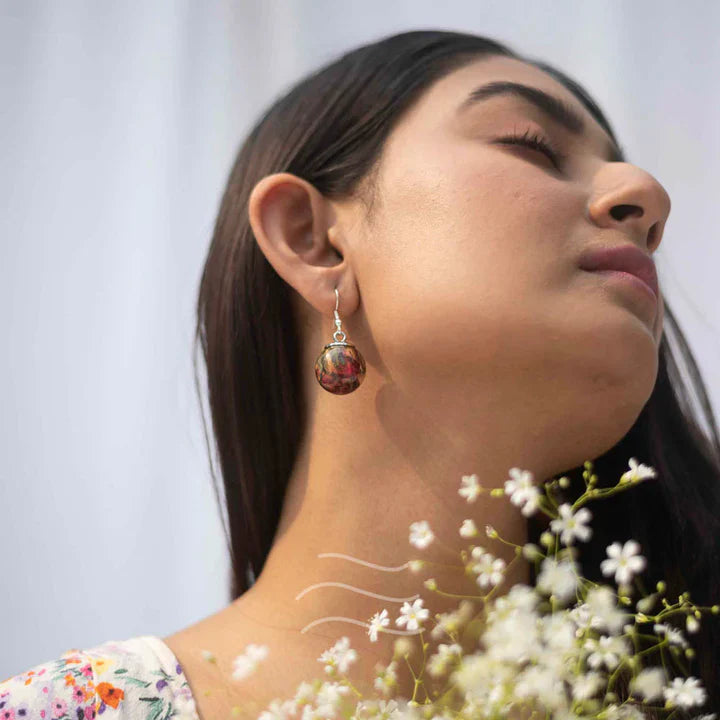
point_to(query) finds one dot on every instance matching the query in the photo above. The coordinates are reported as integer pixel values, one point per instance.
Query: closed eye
(536, 142)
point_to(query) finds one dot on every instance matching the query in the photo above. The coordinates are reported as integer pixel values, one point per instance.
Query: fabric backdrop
(118, 125)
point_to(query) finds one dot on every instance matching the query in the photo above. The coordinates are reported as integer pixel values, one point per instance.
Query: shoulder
(138, 679)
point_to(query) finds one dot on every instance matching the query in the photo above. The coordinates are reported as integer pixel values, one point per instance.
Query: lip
(626, 258)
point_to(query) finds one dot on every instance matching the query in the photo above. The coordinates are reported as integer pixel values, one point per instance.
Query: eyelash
(536, 142)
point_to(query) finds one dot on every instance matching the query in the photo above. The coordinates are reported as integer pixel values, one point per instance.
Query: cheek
(468, 259)
(472, 274)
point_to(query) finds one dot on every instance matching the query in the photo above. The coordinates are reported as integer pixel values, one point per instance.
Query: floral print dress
(135, 679)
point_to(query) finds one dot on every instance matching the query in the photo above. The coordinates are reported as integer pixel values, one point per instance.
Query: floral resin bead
(340, 368)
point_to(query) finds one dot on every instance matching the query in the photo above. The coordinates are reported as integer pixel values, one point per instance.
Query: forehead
(440, 102)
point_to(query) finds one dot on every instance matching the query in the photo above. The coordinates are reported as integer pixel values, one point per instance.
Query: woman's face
(469, 266)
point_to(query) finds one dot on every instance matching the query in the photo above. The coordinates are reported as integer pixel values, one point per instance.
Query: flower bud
(715, 609)
(415, 565)
(645, 604)
(661, 587)
(531, 552)
(402, 646)
(490, 531)
(547, 539)
(468, 529)
(497, 492)
(692, 624)
(430, 584)
(564, 482)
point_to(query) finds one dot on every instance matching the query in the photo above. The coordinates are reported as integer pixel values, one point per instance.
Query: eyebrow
(555, 108)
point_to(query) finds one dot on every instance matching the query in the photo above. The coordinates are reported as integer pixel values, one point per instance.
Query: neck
(342, 548)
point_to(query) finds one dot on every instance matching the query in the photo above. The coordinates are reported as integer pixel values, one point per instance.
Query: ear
(296, 228)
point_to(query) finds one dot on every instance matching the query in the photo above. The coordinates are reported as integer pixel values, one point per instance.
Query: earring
(340, 368)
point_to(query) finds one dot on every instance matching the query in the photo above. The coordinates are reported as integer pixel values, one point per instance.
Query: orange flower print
(69, 679)
(110, 694)
(70, 657)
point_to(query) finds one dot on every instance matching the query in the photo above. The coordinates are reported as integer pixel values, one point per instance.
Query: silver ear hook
(338, 322)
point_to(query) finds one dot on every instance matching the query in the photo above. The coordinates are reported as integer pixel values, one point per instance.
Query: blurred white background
(118, 125)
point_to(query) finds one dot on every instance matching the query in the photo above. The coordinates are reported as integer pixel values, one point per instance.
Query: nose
(629, 199)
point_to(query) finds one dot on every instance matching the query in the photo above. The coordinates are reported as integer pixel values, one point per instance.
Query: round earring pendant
(340, 368)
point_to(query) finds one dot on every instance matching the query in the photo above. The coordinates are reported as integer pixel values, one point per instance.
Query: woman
(454, 194)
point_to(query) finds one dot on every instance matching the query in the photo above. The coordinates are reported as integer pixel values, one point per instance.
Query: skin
(486, 348)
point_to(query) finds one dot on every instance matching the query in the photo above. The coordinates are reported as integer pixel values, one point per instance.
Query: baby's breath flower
(623, 560)
(585, 686)
(685, 692)
(606, 649)
(468, 528)
(649, 683)
(481, 678)
(386, 678)
(470, 487)
(547, 539)
(339, 657)
(412, 615)
(604, 612)
(674, 636)
(522, 491)
(692, 624)
(558, 578)
(447, 623)
(541, 683)
(637, 471)
(329, 698)
(278, 710)
(439, 661)
(571, 525)
(244, 665)
(377, 622)
(489, 570)
(420, 534)
(416, 565)
(304, 693)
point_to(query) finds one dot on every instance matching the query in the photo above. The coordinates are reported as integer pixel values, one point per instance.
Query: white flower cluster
(558, 645)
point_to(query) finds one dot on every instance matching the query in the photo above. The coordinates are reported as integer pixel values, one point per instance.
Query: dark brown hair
(329, 129)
